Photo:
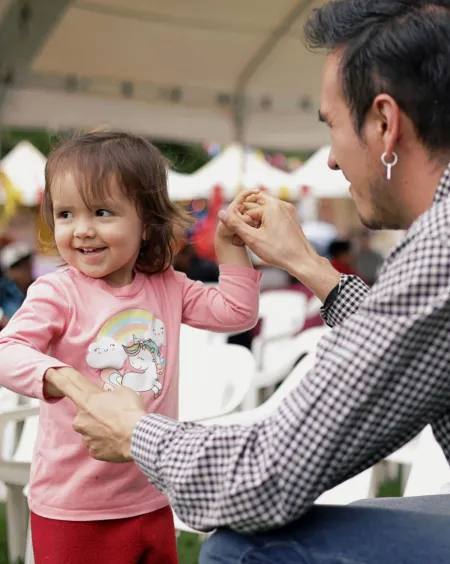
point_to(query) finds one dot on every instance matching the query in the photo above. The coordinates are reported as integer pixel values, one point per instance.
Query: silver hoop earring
(391, 165)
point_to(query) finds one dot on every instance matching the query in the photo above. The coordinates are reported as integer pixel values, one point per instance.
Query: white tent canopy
(24, 166)
(320, 179)
(236, 168)
(197, 70)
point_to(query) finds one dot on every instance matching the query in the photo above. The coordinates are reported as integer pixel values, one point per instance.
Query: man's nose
(332, 163)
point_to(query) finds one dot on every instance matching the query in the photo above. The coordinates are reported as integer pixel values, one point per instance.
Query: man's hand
(223, 232)
(57, 381)
(107, 420)
(279, 240)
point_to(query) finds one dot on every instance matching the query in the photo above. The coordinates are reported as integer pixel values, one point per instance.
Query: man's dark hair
(396, 47)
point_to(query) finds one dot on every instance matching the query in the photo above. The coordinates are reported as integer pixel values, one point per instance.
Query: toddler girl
(113, 314)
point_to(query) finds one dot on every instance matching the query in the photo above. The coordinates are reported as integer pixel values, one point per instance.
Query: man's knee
(224, 547)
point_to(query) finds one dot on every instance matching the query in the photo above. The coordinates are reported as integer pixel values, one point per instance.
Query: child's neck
(119, 279)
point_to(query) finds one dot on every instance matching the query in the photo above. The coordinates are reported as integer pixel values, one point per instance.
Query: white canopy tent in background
(236, 168)
(197, 70)
(320, 179)
(24, 166)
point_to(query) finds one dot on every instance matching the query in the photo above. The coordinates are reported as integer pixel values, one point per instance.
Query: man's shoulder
(433, 224)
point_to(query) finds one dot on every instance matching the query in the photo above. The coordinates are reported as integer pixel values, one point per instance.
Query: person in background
(196, 268)
(341, 256)
(16, 262)
(367, 261)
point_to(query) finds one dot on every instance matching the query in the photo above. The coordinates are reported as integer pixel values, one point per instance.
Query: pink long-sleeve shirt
(114, 336)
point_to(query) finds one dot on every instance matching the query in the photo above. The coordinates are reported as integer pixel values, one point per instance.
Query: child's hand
(225, 234)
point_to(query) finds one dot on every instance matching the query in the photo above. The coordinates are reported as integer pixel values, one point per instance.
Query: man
(381, 374)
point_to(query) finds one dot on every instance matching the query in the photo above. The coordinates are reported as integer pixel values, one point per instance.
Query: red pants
(145, 539)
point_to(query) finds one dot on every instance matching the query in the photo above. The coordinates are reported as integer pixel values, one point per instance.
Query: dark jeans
(382, 531)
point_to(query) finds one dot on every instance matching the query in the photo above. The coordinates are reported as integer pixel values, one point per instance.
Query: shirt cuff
(345, 301)
(150, 436)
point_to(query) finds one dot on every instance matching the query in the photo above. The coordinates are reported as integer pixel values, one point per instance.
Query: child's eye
(65, 215)
(103, 213)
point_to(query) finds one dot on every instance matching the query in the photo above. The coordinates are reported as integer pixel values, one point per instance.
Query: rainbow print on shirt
(129, 351)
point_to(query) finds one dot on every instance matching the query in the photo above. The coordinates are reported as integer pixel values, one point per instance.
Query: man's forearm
(317, 274)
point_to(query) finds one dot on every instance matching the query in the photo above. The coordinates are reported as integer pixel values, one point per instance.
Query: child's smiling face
(101, 239)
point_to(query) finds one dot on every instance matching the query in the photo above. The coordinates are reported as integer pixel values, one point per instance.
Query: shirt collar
(443, 190)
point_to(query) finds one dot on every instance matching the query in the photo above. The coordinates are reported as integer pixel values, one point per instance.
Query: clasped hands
(105, 420)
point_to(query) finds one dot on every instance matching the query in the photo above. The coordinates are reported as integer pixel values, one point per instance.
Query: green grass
(188, 548)
(3, 546)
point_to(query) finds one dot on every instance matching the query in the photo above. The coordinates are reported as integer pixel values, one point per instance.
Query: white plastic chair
(193, 338)
(430, 471)
(8, 430)
(314, 307)
(359, 487)
(15, 473)
(278, 357)
(259, 413)
(283, 313)
(266, 409)
(213, 380)
(29, 554)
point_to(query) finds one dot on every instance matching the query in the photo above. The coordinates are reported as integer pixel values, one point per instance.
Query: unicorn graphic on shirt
(144, 357)
(129, 352)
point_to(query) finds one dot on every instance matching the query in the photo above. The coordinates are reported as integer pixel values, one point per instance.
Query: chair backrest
(430, 471)
(25, 446)
(354, 489)
(265, 410)
(192, 338)
(314, 307)
(277, 358)
(213, 380)
(283, 313)
(8, 439)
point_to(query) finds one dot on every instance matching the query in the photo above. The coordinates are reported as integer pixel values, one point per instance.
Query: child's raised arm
(229, 247)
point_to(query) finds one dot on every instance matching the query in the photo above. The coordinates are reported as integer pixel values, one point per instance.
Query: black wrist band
(331, 296)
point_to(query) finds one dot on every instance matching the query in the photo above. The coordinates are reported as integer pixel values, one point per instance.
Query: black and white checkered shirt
(381, 375)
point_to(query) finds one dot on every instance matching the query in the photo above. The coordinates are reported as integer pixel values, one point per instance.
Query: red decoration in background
(203, 236)
(305, 191)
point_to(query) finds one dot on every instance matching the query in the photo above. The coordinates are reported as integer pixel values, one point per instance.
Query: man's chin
(371, 224)
(376, 225)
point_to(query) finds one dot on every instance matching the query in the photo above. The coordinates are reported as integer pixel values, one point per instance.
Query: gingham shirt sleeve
(380, 376)
(351, 293)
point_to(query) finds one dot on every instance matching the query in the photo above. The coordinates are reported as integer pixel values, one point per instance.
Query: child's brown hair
(96, 160)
